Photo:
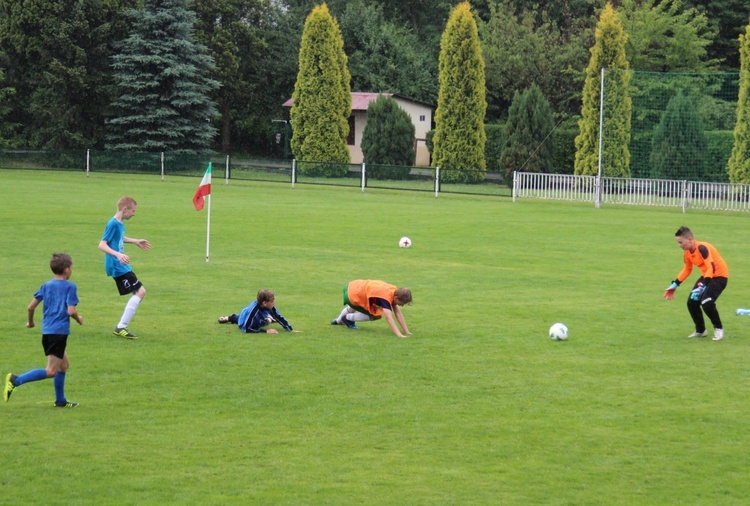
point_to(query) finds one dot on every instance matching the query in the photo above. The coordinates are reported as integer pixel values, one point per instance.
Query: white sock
(343, 314)
(129, 312)
(359, 317)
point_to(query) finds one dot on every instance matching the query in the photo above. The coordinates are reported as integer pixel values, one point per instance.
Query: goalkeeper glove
(669, 292)
(697, 291)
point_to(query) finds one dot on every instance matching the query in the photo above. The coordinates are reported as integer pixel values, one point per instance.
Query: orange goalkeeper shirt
(707, 259)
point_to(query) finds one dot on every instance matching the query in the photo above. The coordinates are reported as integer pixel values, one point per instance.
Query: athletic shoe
(66, 404)
(718, 334)
(699, 334)
(124, 333)
(350, 324)
(9, 386)
(335, 321)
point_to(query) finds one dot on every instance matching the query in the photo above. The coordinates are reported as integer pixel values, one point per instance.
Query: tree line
(99, 73)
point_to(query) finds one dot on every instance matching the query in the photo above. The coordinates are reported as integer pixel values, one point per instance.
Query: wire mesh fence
(682, 124)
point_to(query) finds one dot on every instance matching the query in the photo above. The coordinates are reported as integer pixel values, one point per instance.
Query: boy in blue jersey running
(117, 263)
(258, 314)
(60, 299)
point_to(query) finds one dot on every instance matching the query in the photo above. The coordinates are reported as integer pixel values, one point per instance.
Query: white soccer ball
(558, 332)
(404, 242)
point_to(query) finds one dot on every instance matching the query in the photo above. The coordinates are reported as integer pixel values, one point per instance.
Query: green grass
(478, 407)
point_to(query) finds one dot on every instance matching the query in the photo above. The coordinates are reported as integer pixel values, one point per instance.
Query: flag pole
(208, 226)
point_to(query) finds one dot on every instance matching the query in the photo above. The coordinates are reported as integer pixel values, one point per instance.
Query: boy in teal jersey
(117, 263)
(60, 299)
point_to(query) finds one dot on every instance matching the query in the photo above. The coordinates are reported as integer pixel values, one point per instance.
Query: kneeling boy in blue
(60, 300)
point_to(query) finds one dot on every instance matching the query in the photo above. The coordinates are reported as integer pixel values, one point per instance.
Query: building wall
(421, 117)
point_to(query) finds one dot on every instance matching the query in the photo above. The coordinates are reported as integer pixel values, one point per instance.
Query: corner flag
(203, 190)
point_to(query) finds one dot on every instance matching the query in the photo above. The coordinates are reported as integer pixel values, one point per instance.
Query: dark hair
(683, 232)
(265, 296)
(403, 295)
(60, 262)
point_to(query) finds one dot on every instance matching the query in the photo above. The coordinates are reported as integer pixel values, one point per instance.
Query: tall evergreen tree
(57, 59)
(739, 162)
(679, 145)
(608, 52)
(322, 95)
(163, 76)
(528, 144)
(460, 137)
(388, 138)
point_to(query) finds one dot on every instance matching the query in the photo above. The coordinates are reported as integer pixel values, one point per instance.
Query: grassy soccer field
(478, 407)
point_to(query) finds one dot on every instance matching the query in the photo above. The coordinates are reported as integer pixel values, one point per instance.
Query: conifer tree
(608, 52)
(679, 145)
(739, 162)
(164, 80)
(322, 96)
(388, 138)
(528, 144)
(460, 138)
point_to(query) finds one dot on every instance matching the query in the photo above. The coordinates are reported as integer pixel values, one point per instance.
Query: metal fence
(641, 192)
(605, 190)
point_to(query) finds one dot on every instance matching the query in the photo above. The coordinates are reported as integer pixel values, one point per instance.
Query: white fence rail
(641, 192)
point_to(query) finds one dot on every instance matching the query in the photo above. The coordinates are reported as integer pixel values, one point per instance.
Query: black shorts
(54, 344)
(128, 283)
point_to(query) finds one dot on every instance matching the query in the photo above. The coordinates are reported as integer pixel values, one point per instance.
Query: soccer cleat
(66, 404)
(335, 321)
(718, 334)
(699, 334)
(350, 324)
(9, 386)
(124, 333)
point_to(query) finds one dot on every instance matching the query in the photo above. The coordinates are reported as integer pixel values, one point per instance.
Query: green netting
(682, 124)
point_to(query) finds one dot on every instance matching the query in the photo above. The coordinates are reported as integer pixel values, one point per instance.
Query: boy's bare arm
(32, 307)
(73, 313)
(401, 319)
(389, 317)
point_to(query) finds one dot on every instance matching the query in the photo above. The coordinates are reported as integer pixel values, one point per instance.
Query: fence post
(162, 165)
(513, 192)
(294, 171)
(598, 194)
(364, 177)
(685, 188)
(88, 162)
(226, 171)
(437, 181)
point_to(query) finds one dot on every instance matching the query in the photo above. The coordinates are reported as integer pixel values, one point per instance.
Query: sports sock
(343, 314)
(129, 312)
(59, 387)
(359, 317)
(32, 375)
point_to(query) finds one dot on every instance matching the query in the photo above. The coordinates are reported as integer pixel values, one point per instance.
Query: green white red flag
(204, 189)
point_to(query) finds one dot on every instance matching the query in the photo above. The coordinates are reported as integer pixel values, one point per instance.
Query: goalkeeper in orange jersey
(708, 287)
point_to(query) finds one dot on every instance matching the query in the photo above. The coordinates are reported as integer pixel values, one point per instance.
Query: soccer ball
(404, 242)
(558, 332)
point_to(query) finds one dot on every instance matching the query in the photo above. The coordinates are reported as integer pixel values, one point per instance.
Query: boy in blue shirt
(258, 314)
(117, 263)
(60, 299)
